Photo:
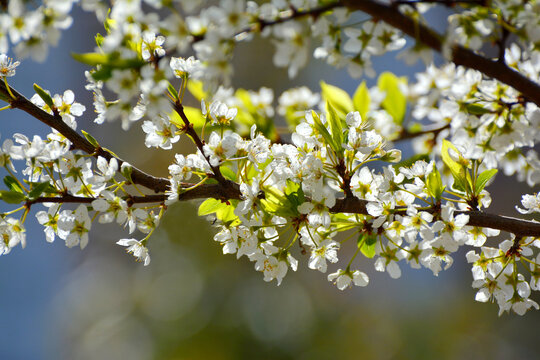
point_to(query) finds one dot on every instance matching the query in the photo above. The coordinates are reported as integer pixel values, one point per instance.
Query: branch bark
(460, 55)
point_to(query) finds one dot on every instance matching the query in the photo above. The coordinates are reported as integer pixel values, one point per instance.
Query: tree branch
(460, 55)
(216, 191)
(352, 205)
(79, 142)
(476, 218)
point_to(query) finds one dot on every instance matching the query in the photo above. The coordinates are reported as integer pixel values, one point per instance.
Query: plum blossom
(136, 248)
(344, 278)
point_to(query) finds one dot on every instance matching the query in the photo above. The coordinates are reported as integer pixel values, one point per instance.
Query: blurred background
(192, 302)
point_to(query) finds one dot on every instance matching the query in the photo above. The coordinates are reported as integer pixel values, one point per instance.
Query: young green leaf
(276, 202)
(394, 102)
(457, 167)
(476, 109)
(172, 92)
(340, 100)
(91, 59)
(210, 206)
(483, 179)
(367, 245)
(321, 128)
(41, 188)
(90, 139)
(337, 129)
(361, 100)
(44, 95)
(434, 184)
(193, 114)
(224, 211)
(12, 197)
(13, 184)
(294, 193)
(228, 173)
(196, 89)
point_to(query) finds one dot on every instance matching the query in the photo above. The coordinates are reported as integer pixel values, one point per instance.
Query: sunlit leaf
(340, 100)
(361, 100)
(394, 102)
(12, 197)
(483, 179)
(367, 245)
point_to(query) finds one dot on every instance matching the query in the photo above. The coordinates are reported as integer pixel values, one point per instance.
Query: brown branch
(216, 191)
(352, 205)
(460, 55)
(476, 218)
(79, 142)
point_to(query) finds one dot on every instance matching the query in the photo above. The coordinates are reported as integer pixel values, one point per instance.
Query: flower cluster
(279, 198)
(485, 118)
(289, 192)
(54, 174)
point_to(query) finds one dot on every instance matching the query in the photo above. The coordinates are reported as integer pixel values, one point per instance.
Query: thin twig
(228, 185)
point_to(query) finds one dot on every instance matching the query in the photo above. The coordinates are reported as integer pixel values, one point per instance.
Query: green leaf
(457, 168)
(210, 206)
(196, 89)
(113, 60)
(294, 193)
(227, 215)
(228, 173)
(276, 202)
(173, 92)
(103, 74)
(12, 197)
(337, 129)
(91, 59)
(126, 172)
(483, 179)
(434, 184)
(111, 152)
(41, 188)
(224, 211)
(367, 245)
(44, 95)
(476, 109)
(193, 114)
(394, 102)
(90, 139)
(13, 184)
(340, 100)
(319, 126)
(361, 100)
